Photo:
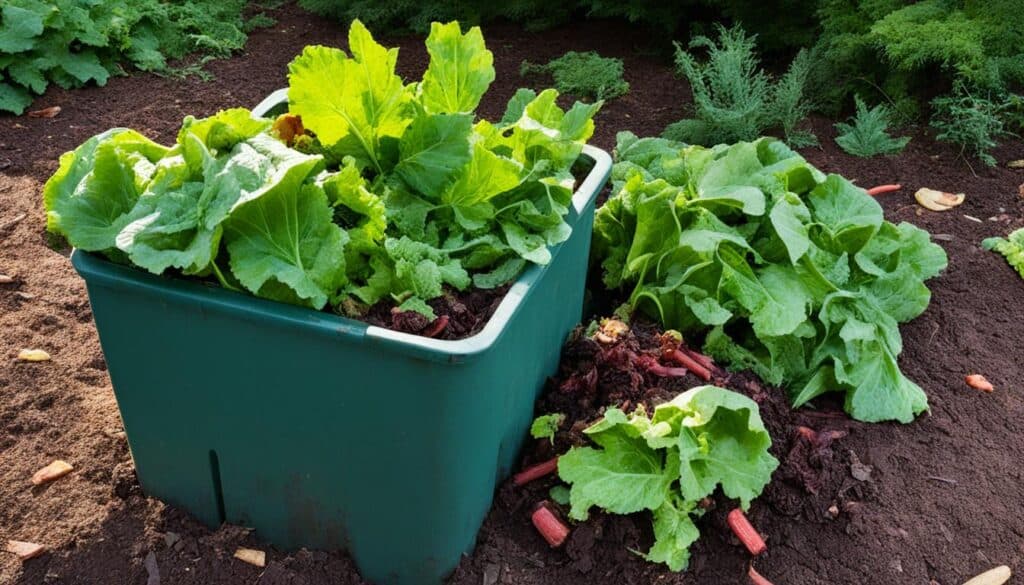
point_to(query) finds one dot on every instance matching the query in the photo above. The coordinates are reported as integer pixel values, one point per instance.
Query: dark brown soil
(942, 502)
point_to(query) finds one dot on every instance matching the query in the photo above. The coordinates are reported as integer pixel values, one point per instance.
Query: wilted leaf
(49, 112)
(25, 550)
(33, 355)
(51, 472)
(938, 200)
(253, 557)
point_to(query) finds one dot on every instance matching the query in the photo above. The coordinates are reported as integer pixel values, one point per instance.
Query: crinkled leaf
(721, 441)
(282, 242)
(89, 199)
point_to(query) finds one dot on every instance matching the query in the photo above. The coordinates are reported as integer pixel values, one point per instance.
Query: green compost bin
(323, 432)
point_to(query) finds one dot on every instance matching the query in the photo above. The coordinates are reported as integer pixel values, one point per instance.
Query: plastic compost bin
(324, 432)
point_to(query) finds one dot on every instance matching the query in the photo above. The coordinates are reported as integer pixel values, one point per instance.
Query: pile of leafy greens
(1012, 247)
(370, 188)
(667, 463)
(788, 272)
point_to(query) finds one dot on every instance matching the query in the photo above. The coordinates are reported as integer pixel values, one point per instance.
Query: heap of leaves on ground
(388, 191)
(785, 270)
(74, 42)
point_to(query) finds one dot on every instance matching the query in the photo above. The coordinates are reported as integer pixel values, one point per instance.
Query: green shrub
(867, 134)
(583, 74)
(734, 99)
(973, 123)
(74, 42)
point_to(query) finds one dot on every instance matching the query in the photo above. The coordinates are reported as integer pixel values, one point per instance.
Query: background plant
(586, 75)
(867, 133)
(973, 123)
(74, 42)
(734, 99)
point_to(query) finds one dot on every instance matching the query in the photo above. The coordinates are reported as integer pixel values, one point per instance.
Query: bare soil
(941, 503)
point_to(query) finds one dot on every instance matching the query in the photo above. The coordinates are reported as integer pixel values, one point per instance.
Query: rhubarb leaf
(281, 239)
(460, 71)
(351, 104)
(667, 463)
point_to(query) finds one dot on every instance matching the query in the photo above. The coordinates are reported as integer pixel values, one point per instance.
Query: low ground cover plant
(734, 99)
(586, 75)
(668, 461)
(867, 133)
(370, 188)
(1012, 247)
(972, 122)
(783, 269)
(74, 42)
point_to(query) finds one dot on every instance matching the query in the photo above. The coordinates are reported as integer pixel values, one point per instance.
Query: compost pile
(369, 191)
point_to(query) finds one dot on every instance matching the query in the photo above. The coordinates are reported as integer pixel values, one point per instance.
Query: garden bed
(940, 504)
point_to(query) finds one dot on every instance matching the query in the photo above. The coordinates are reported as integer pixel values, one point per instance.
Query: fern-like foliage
(867, 135)
(734, 99)
(587, 75)
(972, 122)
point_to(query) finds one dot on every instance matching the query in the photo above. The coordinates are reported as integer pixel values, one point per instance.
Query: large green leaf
(721, 441)
(18, 29)
(623, 477)
(352, 104)
(432, 151)
(281, 239)
(460, 71)
(89, 199)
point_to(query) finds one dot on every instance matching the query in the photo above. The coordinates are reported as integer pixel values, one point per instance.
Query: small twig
(942, 479)
(13, 221)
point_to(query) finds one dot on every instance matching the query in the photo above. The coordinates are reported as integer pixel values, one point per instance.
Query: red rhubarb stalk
(550, 527)
(690, 363)
(535, 472)
(744, 531)
(884, 189)
(756, 578)
(701, 358)
(436, 327)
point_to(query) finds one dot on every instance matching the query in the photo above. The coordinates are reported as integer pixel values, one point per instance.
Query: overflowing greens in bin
(370, 188)
(787, 271)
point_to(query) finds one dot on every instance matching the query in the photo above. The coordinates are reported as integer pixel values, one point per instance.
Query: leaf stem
(220, 277)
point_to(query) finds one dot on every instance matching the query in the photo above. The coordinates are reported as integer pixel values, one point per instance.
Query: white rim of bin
(495, 326)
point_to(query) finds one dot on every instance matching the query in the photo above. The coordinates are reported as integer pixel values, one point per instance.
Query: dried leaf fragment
(938, 200)
(25, 550)
(979, 382)
(51, 472)
(33, 355)
(49, 112)
(253, 557)
(1016, 164)
(996, 576)
(287, 127)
